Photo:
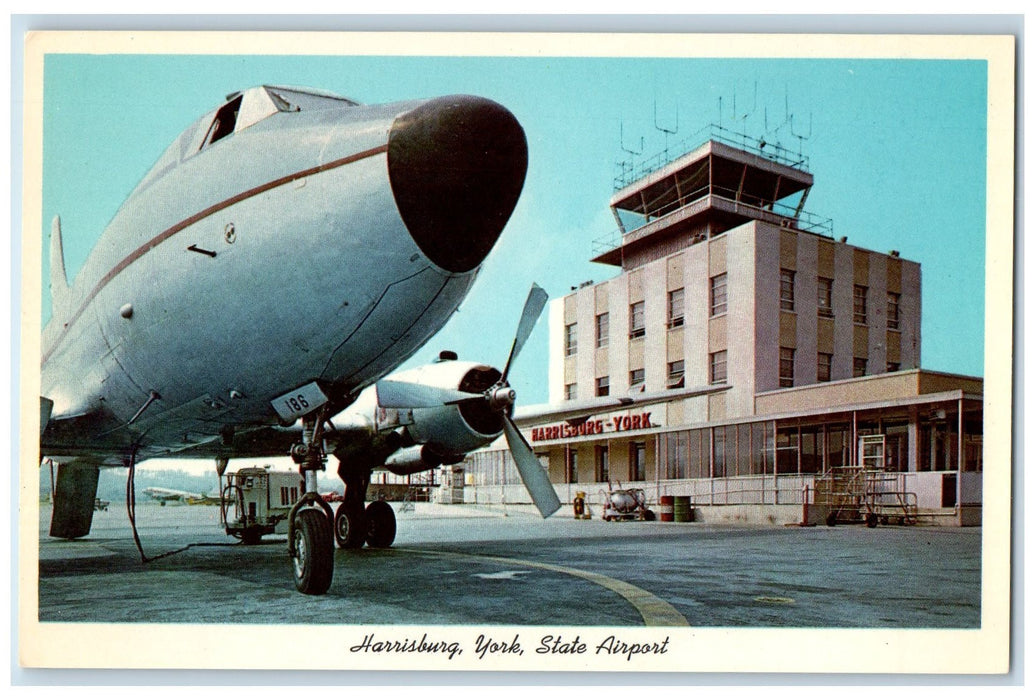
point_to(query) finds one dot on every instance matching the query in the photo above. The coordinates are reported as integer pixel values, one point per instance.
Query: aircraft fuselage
(287, 252)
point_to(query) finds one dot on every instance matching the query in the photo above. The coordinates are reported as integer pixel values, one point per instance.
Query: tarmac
(476, 565)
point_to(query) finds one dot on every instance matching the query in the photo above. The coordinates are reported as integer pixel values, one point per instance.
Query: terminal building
(744, 357)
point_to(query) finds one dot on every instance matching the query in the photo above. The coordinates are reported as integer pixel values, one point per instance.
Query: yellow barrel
(681, 509)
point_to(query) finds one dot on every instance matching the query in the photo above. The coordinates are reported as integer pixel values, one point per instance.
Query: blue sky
(897, 148)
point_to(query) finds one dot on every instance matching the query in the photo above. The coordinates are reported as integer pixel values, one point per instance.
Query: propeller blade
(534, 304)
(536, 480)
(394, 394)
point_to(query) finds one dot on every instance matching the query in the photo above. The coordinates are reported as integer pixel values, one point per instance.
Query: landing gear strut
(310, 540)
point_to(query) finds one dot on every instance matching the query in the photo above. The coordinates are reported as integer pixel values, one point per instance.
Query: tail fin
(58, 278)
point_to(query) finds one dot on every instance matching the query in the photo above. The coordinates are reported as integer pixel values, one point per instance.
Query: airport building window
(717, 373)
(786, 367)
(894, 366)
(787, 290)
(636, 320)
(638, 461)
(676, 377)
(811, 442)
(603, 386)
(571, 341)
(743, 449)
(717, 295)
(675, 308)
(823, 362)
(859, 367)
(787, 451)
(603, 329)
(603, 464)
(838, 442)
(573, 466)
(718, 452)
(825, 297)
(859, 304)
(761, 448)
(893, 318)
(676, 453)
(636, 378)
(571, 392)
(700, 464)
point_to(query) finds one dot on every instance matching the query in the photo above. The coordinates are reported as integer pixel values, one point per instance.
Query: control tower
(728, 287)
(665, 207)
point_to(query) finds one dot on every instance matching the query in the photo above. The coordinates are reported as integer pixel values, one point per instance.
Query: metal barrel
(665, 508)
(681, 509)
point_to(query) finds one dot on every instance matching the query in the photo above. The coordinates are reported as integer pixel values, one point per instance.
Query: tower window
(786, 367)
(893, 318)
(787, 290)
(571, 341)
(859, 367)
(675, 374)
(825, 297)
(636, 320)
(717, 295)
(603, 329)
(717, 370)
(859, 304)
(823, 362)
(675, 308)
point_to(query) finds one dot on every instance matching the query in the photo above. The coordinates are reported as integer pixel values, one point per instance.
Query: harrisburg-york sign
(599, 426)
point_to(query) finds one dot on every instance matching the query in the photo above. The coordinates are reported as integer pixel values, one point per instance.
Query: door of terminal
(871, 452)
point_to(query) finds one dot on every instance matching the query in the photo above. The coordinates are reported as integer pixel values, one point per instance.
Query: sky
(896, 147)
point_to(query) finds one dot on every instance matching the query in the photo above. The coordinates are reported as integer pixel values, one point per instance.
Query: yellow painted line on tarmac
(654, 611)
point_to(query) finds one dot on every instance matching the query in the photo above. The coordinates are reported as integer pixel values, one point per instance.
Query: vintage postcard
(516, 352)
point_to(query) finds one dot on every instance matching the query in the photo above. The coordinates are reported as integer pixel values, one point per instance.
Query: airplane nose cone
(456, 165)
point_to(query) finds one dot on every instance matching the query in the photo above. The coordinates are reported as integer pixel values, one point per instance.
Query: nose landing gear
(310, 537)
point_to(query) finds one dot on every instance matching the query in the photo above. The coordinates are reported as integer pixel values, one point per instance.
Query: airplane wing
(64, 438)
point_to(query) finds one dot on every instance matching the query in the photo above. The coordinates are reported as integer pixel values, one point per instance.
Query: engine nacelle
(455, 429)
(413, 459)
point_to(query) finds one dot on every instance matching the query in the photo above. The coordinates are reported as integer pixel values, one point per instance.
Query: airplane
(164, 495)
(289, 249)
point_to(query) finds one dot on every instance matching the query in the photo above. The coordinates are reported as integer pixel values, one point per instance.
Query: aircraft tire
(250, 537)
(380, 524)
(314, 552)
(350, 526)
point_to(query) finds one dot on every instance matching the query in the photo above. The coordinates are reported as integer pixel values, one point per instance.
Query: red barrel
(666, 508)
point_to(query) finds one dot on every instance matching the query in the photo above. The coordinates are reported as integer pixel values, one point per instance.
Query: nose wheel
(313, 559)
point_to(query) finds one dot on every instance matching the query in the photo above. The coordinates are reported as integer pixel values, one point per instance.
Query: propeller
(534, 304)
(500, 397)
(533, 476)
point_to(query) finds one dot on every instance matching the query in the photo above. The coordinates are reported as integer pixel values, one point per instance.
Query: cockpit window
(304, 100)
(225, 121)
(242, 110)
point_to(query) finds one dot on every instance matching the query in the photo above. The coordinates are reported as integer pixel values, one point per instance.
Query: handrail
(631, 171)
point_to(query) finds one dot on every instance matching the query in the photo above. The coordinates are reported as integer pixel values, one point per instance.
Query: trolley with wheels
(625, 504)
